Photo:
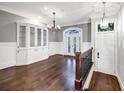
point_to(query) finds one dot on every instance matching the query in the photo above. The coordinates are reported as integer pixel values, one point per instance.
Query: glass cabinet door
(22, 36)
(32, 36)
(45, 37)
(39, 37)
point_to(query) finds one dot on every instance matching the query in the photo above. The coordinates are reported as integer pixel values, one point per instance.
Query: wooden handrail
(81, 58)
(86, 52)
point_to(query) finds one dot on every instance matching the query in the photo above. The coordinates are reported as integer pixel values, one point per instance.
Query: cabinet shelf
(32, 43)
(31, 35)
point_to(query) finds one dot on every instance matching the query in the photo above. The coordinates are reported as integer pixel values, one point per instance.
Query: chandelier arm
(54, 27)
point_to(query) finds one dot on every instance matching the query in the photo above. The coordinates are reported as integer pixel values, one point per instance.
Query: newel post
(78, 81)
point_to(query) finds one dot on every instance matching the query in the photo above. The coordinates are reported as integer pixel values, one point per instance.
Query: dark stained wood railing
(83, 65)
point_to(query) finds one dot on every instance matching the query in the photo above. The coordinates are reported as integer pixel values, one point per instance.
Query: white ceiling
(66, 12)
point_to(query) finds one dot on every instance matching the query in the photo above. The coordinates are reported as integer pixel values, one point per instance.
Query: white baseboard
(120, 82)
(88, 80)
(86, 46)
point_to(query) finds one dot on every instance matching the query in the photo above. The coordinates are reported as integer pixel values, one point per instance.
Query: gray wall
(58, 36)
(8, 26)
(53, 37)
(8, 29)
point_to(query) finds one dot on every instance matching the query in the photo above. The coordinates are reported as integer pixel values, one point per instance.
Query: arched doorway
(72, 38)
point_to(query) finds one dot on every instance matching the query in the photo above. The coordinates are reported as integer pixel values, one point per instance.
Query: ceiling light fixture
(45, 8)
(54, 27)
(39, 17)
(104, 23)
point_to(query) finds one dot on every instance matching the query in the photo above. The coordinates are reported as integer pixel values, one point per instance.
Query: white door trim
(81, 39)
(115, 43)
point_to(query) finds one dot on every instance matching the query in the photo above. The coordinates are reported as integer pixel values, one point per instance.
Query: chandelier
(104, 23)
(54, 27)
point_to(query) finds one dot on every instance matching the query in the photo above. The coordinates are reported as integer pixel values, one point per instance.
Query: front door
(105, 49)
(72, 45)
(72, 41)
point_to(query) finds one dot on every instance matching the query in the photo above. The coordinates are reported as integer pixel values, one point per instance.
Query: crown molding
(77, 23)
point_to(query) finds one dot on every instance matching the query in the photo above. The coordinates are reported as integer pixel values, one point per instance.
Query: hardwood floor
(104, 82)
(56, 73)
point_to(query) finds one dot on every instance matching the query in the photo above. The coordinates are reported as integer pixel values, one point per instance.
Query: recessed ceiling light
(39, 17)
(45, 8)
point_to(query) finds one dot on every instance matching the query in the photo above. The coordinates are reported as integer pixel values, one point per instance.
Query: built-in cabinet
(32, 43)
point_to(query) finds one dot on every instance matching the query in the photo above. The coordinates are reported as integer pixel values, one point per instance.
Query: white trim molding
(89, 77)
(120, 82)
(80, 31)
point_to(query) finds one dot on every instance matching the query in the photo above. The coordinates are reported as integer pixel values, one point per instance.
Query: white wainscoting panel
(86, 46)
(7, 54)
(58, 47)
(37, 54)
(55, 48)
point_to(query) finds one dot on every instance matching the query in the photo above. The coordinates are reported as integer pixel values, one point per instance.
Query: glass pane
(44, 37)
(22, 36)
(32, 36)
(38, 37)
(110, 27)
(79, 44)
(69, 45)
(74, 44)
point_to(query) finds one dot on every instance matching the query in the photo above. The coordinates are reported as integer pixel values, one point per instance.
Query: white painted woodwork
(105, 44)
(30, 54)
(69, 41)
(8, 54)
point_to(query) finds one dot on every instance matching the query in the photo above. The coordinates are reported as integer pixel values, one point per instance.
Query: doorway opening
(72, 40)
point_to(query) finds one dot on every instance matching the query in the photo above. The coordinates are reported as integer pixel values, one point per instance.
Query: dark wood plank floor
(104, 82)
(55, 73)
